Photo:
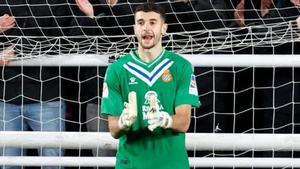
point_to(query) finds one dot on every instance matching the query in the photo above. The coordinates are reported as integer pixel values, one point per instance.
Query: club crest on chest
(166, 76)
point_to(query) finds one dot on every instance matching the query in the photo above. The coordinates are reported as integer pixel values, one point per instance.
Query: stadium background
(234, 99)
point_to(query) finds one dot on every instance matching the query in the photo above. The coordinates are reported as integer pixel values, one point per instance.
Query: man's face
(148, 28)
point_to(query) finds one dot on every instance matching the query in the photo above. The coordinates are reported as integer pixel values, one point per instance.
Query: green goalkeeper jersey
(170, 77)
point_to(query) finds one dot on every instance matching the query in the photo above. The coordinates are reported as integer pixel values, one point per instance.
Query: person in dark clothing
(31, 96)
(92, 77)
(190, 15)
(257, 12)
(105, 14)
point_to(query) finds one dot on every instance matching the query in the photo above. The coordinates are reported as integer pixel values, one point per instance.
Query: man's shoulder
(121, 61)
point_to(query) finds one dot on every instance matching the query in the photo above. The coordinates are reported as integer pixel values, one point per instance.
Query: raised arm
(265, 6)
(239, 14)
(6, 22)
(182, 118)
(295, 2)
(87, 8)
(298, 23)
(6, 55)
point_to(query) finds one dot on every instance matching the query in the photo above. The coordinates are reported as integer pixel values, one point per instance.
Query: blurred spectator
(273, 113)
(92, 77)
(183, 15)
(105, 14)
(88, 8)
(257, 12)
(194, 15)
(6, 55)
(30, 96)
(298, 22)
(6, 22)
(251, 9)
(282, 11)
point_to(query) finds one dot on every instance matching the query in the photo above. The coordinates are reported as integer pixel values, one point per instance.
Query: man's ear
(164, 28)
(133, 28)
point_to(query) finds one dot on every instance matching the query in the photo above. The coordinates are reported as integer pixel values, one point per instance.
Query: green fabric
(170, 77)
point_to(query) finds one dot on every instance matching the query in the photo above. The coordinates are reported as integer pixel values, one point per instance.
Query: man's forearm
(114, 128)
(182, 119)
(6, 22)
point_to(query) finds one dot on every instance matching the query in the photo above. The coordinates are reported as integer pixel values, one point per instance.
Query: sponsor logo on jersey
(148, 95)
(146, 105)
(105, 90)
(132, 81)
(166, 76)
(193, 86)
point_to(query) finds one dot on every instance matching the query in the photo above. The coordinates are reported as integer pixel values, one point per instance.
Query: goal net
(247, 79)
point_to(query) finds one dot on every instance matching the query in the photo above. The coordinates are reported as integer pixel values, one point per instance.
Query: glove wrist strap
(122, 126)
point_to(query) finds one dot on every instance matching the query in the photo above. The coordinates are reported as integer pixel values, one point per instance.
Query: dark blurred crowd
(265, 105)
(193, 15)
(248, 20)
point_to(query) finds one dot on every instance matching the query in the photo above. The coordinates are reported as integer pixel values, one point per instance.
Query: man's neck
(148, 55)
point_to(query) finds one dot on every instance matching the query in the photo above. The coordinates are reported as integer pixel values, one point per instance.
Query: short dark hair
(151, 7)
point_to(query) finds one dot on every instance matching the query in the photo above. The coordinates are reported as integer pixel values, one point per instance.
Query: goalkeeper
(148, 95)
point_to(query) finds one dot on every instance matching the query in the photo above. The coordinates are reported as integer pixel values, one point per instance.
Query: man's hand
(6, 55)
(6, 22)
(86, 7)
(295, 2)
(298, 25)
(129, 113)
(265, 6)
(239, 14)
(111, 2)
(157, 118)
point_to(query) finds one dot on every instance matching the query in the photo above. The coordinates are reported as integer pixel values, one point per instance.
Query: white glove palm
(129, 113)
(157, 118)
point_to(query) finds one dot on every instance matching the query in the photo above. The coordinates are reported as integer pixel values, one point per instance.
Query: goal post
(198, 60)
(194, 142)
(198, 162)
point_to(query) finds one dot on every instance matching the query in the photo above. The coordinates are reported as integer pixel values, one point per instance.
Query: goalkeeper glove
(129, 113)
(157, 118)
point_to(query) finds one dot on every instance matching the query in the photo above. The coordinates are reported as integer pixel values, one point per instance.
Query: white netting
(238, 96)
(194, 27)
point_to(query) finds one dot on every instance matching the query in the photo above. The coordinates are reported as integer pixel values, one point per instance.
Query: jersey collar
(135, 56)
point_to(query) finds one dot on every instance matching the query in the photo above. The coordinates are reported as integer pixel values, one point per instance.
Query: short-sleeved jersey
(170, 77)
